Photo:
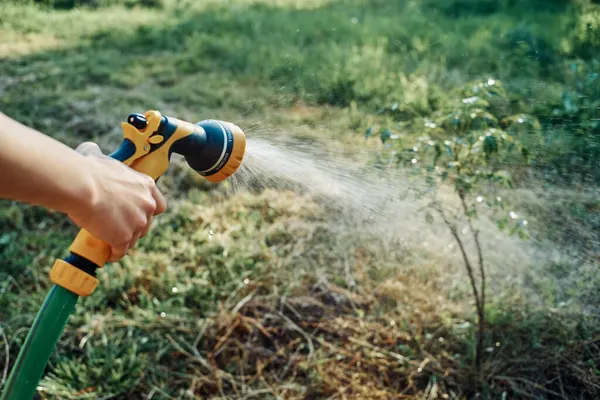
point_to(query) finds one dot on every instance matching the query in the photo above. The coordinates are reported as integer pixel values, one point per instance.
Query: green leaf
(502, 223)
(438, 153)
(429, 217)
(6, 238)
(490, 145)
(471, 213)
(385, 135)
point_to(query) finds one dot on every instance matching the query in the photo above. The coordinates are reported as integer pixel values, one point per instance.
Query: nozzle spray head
(215, 149)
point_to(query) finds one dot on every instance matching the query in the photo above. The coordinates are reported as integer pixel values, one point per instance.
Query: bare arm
(39, 170)
(113, 202)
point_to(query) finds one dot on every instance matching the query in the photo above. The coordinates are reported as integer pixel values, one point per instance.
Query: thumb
(89, 149)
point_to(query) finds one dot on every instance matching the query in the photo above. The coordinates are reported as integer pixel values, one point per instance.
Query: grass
(278, 303)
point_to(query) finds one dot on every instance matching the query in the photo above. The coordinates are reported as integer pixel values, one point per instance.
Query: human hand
(122, 203)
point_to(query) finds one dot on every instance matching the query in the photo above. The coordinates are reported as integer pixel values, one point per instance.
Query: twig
(528, 382)
(306, 336)
(201, 334)
(157, 389)
(397, 356)
(291, 360)
(242, 302)
(7, 350)
(475, 233)
(562, 390)
(226, 335)
(469, 267)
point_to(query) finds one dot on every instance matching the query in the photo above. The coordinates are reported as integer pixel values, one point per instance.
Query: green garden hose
(214, 149)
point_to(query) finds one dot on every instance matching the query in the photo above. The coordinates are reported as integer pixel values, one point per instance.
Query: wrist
(82, 197)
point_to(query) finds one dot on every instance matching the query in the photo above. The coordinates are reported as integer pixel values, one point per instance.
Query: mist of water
(389, 204)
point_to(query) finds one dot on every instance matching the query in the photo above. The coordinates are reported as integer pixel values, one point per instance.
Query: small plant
(472, 146)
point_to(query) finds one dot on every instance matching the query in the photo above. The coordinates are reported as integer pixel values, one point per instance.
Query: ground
(261, 289)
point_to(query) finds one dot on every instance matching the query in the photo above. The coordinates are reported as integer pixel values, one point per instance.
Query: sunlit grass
(322, 71)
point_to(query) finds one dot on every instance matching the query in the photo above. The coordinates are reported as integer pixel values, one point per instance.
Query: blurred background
(418, 215)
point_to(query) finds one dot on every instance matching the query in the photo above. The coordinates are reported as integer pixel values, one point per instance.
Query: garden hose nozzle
(214, 149)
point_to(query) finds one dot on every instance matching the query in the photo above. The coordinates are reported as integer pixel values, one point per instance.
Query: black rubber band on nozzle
(208, 149)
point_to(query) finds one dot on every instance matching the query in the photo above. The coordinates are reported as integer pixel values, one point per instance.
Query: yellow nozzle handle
(215, 149)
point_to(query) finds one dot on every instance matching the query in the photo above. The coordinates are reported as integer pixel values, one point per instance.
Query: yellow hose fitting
(72, 278)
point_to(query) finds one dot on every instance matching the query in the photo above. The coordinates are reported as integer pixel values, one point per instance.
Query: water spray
(214, 149)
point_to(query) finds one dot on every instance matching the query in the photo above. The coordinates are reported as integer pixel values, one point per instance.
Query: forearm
(37, 169)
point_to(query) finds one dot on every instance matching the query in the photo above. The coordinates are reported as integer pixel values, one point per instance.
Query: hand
(122, 204)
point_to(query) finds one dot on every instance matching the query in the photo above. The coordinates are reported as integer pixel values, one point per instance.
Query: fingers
(89, 149)
(134, 241)
(161, 203)
(117, 253)
(147, 228)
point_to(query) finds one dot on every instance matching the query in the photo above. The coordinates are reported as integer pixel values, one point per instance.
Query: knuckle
(140, 222)
(150, 204)
(149, 182)
(123, 236)
(86, 147)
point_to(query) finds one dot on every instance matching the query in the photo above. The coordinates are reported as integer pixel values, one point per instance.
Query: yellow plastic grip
(72, 278)
(153, 164)
(90, 248)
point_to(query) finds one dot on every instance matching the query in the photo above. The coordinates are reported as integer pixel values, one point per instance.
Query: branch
(475, 234)
(464, 256)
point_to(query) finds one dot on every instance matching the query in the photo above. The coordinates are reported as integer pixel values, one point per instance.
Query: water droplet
(354, 20)
(513, 215)
(163, 314)
(174, 290)
(246, 281)
(491, 82)
(479, 199)
(414, 161)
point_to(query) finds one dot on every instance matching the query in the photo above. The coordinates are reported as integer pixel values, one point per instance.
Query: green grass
(278, 303)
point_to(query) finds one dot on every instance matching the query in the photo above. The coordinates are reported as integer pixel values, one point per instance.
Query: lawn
(265, 288)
